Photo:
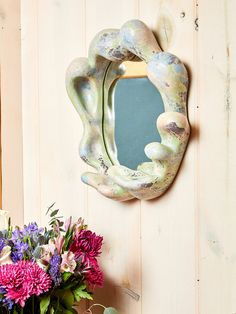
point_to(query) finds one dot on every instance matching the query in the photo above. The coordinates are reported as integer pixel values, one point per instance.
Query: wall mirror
(135, 127)
(136, 99)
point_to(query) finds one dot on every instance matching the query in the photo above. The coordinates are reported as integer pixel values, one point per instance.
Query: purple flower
(54, 270)
(9, 303)
(31, 229)
(2, 244)
(21, 247)
(6, 302)
(16, 235)
(19, 250)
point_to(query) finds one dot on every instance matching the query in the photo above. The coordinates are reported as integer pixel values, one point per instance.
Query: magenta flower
(94, 275)
(86, 246)
(11, 276)
(22, 280)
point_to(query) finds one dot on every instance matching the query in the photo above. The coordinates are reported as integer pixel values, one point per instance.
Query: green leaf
(50, 207)
(110, 310)
(52, 310)
(41, 240)
(81, 293)
(66, 298)
(66, 276)
(15, 311)
(44, 303)
(54, 212)
(56, 219)
(9, 222)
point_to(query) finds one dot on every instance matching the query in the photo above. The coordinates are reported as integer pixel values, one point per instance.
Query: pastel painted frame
(90, 86)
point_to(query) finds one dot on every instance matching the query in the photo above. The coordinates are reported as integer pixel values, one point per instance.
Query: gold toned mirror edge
(134, 69)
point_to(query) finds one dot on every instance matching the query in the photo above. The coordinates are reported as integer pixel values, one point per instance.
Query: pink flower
(78, 226)
(22, 280)
(68, 223)
(11, 276)
(94, 275)
(59, 242)
(86, 245)
(68, 263)
(19, 296)
(36, 279)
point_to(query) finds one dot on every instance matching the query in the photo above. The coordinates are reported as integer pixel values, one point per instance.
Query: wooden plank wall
(11, 109)
(217, 156)
(174, 255)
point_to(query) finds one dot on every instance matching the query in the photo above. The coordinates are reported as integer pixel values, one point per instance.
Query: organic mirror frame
(90, 86)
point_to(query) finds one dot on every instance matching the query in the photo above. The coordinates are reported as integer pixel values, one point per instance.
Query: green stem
(33, 304)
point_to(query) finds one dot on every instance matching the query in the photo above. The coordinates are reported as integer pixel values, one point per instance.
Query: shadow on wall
(115, 296)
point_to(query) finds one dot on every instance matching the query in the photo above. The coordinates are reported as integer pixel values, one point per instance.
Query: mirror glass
(137, 107)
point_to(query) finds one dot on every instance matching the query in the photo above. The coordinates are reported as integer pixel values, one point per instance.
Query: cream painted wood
(56, 127)
(60, 38)
(217, 156)
(53, 34)
(11, 115)
(118, 222)
(177, 252)
(169, 225)
(30, 110)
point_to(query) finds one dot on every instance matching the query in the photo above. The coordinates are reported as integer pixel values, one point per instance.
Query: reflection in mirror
(137, 107)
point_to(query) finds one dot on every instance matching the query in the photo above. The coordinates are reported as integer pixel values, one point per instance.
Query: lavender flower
(9, 303)
(2, 244)
(6, 302)
(54, 270)
(31, 229)
(2, 291)
(16, 234)
(23, 241)
(19, 250)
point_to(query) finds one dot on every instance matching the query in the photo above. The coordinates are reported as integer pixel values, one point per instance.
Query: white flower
(68, 263)
(3, 219)
(5, 256)
(47, 252)
(42, 264)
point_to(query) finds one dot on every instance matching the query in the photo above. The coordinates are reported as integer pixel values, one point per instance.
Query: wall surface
(173, 255)
(11, 108)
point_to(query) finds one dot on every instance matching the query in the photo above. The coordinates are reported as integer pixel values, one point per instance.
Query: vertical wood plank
(118, 222)
(168, 223)
(217, 96)
(51, 127)
(60, 39)
(1, 149)
(30, 110)
(11, 116)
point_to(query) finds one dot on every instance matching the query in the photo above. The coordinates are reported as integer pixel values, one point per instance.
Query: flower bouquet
(48, 270)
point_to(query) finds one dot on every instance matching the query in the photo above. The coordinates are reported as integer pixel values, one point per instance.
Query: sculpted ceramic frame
(90, 86)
